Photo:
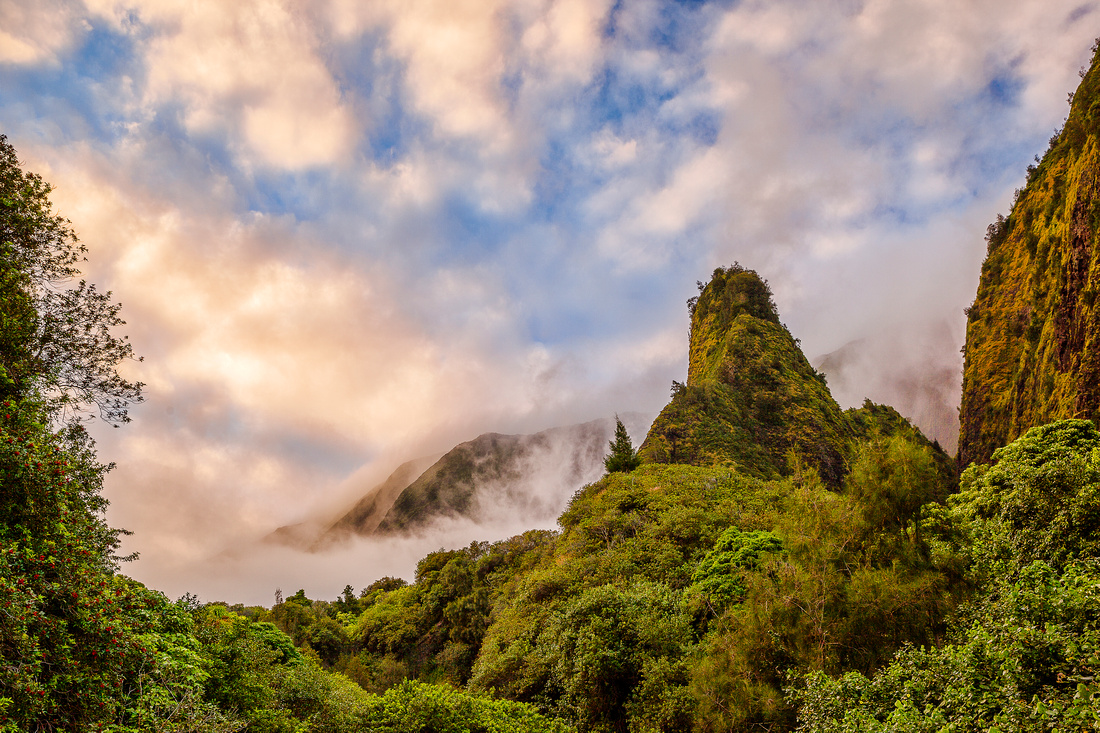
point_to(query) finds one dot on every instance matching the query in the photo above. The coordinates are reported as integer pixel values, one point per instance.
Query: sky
(349, 233)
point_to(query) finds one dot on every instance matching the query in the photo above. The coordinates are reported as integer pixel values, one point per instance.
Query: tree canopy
(56, 332)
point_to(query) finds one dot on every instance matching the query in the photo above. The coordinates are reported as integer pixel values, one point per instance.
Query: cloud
(253, 71)
(36, 34)
(459, 57)
(490, 81)
(319, 345)
(274, 369)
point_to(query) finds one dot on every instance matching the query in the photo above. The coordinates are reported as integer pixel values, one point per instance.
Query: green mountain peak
(752, 400)
(734, 294)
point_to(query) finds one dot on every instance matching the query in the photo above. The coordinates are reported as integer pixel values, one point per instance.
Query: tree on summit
(623, 457)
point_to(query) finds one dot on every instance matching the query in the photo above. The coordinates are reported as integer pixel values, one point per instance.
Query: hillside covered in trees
(766, 561)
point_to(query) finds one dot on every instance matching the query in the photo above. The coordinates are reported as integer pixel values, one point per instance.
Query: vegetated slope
(1022, 654)
(494, 476)
(504, 476)
(752, 401)
(369, 511)
(1033, 331)
(675, 597)
(683, 597)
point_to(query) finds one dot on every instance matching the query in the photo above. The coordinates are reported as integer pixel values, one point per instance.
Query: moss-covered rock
(752, 401)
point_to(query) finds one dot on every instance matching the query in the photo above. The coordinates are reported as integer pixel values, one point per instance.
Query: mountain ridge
(510, 472)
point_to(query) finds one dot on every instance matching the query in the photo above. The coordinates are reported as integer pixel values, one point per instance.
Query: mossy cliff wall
(1033, 331)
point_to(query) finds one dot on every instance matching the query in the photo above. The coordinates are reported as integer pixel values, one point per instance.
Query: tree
(623, 457)
(892, 479)
(1039, 500)
(80, 645)
(615, 659)
(56, 331)
(347, 602)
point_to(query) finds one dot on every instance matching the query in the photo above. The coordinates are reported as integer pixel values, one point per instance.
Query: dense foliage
(674, 598)
(1025, 651)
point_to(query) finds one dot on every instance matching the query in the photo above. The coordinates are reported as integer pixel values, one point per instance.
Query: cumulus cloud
(253, 71)
(36, 34)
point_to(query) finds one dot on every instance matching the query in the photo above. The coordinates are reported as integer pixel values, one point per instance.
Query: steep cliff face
(1033, 331)
(752, 401)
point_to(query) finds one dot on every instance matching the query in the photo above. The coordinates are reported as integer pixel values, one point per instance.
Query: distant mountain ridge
(533, 474)
(494, 476)
(370, 510)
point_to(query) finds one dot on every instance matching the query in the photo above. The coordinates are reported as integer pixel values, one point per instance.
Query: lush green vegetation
(1024, 652)
(752, 402)
(674, 598)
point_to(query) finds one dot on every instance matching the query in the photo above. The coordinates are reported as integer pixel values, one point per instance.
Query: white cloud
(253, 70)
(36, 33)
(490, 78)
(564, 43)
(678, 205)
(612, 151)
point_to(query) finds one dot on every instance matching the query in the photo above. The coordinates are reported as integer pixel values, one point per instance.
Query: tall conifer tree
(623, 457)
